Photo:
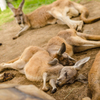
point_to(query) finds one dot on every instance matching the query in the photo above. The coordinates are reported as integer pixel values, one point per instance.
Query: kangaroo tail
(84, 16)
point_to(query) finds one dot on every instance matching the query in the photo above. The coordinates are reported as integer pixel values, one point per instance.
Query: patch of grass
(6, 16)
(29, 6)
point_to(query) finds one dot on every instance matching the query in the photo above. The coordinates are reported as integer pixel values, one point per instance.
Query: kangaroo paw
(6, 76)
(15, 37)
(45, 89)
(54, 90)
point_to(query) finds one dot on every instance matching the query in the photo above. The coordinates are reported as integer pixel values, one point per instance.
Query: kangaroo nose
(19, 23)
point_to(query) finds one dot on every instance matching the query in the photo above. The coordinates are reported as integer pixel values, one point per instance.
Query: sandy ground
(13, 48)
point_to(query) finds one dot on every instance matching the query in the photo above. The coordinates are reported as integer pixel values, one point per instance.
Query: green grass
(6, 16)
(29, 6)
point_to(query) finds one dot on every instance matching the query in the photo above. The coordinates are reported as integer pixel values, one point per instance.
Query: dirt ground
(13, 48)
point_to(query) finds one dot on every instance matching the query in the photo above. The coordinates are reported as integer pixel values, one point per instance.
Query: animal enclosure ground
(13, 48)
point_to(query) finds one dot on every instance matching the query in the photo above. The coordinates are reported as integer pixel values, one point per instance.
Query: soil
(39, 37)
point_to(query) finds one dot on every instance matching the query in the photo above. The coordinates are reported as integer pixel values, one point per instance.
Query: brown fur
(59, 11)
(34, 60)
(33, 63)
(74, 41)
(94, 78)
(37, 65)
(86, 98)
(79, 41)
(54, 44)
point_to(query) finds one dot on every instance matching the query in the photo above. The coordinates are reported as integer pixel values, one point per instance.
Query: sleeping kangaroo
(60, 12)
(36, 62)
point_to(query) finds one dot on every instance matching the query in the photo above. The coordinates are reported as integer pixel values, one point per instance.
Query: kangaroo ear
(21, 5)
(53, 62)
(11, 7)
(78, 64)
(62, 49)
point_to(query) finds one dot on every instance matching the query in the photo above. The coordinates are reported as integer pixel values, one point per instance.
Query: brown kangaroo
(36, 62)
(94, 79)
(60, 11)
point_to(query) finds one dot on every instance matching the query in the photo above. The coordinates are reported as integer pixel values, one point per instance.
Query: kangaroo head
(18, 13)
(63, 57)
(68, 74)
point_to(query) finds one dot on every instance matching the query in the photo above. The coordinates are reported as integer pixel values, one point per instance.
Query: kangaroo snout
(58, 83)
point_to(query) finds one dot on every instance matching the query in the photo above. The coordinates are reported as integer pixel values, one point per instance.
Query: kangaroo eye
(20, 14)
(66, 74)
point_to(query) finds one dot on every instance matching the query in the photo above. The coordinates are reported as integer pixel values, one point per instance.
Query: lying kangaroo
(34, 64)
(60, 11)
(74, 42)
(42, 61)
(94, 79)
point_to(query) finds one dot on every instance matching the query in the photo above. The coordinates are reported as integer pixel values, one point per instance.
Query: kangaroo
(60, 12)
(74, 41)
(35, 64)
(93, 79)
(37, 59)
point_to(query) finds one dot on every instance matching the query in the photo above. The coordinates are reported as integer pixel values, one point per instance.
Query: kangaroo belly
(40, 17)
(37, 65)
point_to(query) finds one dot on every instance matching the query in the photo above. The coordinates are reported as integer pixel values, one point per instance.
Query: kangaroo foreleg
(52, 83)
(26, 27)
(44, 88)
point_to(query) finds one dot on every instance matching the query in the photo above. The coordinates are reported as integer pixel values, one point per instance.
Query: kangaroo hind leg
(89, 36)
